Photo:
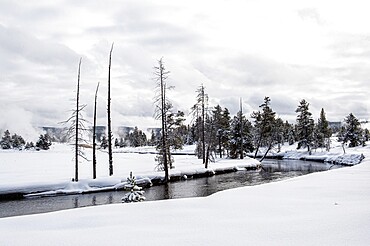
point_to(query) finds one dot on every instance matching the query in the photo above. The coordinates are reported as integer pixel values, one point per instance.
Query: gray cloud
(40, 44)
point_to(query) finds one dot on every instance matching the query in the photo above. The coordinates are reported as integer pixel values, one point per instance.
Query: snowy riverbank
(326, 208)
(45, 173)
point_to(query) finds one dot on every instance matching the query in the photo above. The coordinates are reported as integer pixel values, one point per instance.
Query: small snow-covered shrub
(135, 194)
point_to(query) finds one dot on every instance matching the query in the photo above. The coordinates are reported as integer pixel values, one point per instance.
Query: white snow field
(325, 208)
(51, 172)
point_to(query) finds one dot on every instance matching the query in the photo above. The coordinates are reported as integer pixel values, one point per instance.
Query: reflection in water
(75, 202)
(93, 201)
(275, 170)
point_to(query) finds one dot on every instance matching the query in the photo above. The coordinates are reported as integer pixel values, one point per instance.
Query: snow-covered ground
(325, 208)
(51, 172)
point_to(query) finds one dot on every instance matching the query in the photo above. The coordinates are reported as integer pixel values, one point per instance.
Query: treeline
(15, 141)
(217, 133)
(235, 136)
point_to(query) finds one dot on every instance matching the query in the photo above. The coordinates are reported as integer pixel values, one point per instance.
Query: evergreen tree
(6, 140)
(17, 141)
(44, 142)
(289, 135)
(264, 125)
(323, 132)
(240, 132)
(29, 145)
(351, 132)
(121, 143)
(366, 135)
(135, 194)
(305, 126)
(175, 140)
(278, 133)
(221, 122)
(104, 142)
(225, 130)
(137, 138)
(116, 143)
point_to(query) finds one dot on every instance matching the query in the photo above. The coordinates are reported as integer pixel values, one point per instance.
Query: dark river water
(274, 170)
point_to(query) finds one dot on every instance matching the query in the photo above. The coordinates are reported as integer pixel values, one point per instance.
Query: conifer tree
(6, 141)
(44, 143)
(305, 126)
(135, 194)
(104, 142)
(323, 132)
(264, 125)
(225, 127)
(351, 132)
(240, 134)
(221, 123)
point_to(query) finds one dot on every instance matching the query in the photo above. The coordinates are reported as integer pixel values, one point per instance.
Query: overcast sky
(287, 50)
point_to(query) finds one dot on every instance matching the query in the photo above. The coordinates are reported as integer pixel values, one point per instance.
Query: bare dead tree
(200, 108)
(162, 106)
(77, 126)
(110, 154)
(241, 130)
(94, 133)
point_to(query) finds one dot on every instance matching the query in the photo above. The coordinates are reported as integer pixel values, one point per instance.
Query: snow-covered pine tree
(104, 142)
(221, 123)
(289, 133)
(236, 138)
(6, 140)
(264, 125)
(17, 141)
(351, 132)
(135, 194)
(175, 140)
(44, 142)
(225, 126)
(121, 143)
(323, 132)
(305, 126)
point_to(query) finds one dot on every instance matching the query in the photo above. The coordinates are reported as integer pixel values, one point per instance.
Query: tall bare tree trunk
(164, 120)
(241, 131)
(77, 120)
(94, 133)
(109, 118)
(203, 133)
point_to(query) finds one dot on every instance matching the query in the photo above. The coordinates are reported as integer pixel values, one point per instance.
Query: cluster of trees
(352, 133)
(136, 138)
(76, 130)
(16, 141)
(215, 132)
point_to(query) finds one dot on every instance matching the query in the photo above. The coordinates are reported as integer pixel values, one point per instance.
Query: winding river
(274, 170)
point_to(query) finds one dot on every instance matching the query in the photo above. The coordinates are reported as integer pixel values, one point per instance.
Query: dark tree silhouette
(161, 109)
(110, 154)
(77, 126)
(94, 133)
